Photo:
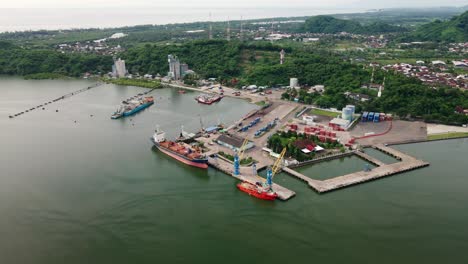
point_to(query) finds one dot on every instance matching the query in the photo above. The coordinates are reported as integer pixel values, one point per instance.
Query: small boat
(181, 91)
(208, 99)
(133, 106)
(260, 192)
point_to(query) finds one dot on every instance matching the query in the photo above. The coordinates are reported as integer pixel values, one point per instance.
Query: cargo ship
(133, 106)
(258, 191)
(208, 99)
(180, 151)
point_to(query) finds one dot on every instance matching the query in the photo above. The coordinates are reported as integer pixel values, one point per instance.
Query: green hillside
(453, 30)
(331, 25)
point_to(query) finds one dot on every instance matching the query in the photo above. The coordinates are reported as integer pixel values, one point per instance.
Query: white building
(294, 83)
(459, 64)
(438, 63)
(310, 39)
(119, 70)
(317, 88)
(343, 123)
(308, 120)
(174, 67)
(177, 70)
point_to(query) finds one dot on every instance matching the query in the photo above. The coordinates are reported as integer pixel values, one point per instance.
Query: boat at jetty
(208, 99)
(132, 106)
(180, 151)
(258, 191)
(185, 136)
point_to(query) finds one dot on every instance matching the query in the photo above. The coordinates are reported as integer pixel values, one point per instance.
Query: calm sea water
(48, 18)
(95, 191)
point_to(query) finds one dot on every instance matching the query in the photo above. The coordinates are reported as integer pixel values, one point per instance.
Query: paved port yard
(434, 129)
(402, 131)
(406, 163)
(285, 111)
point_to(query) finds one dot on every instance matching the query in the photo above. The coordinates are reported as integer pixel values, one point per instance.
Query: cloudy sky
(236, 3)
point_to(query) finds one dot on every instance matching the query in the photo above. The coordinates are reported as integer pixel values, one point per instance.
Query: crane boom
(242, 149)
(277, 166)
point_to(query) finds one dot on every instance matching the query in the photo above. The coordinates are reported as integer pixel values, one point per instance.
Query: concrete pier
(407, 163)
(369, 158)
(248, 176)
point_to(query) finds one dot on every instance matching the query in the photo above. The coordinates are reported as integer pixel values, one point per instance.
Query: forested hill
(453, 30)
(15, 60)
(331, 25)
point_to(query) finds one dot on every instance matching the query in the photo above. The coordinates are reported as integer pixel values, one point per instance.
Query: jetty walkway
(56, 100)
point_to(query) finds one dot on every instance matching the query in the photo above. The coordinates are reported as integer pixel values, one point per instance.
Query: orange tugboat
(257, 191)
(261, 191)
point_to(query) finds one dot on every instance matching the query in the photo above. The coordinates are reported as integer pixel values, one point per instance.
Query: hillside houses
(428, 76)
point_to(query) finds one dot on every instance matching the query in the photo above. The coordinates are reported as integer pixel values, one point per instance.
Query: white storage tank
(293, 83)
(352, 107)
(347, 113)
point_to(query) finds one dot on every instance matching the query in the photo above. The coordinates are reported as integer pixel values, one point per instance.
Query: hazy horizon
(330, 4)
(61, 17)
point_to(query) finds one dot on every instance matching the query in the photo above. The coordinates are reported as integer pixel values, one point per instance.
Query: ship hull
(210, 101)
(199, 163)
(137, 109)
(133, 111)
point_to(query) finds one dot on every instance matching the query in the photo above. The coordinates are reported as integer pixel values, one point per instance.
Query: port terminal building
(233, 142)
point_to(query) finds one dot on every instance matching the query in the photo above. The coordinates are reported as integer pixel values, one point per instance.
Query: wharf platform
(407, 163)
(369, 158)
(248, 176)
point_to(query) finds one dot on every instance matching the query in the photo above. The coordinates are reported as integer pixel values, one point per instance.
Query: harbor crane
(271, 172)
(238, 157)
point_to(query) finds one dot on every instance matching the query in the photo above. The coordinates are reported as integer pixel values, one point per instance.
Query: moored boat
(133, 106)
(264, 193)
(180, 151)
(208, 99)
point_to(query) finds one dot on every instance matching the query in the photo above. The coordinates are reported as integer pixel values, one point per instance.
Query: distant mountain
(453, 30)
(331, 25)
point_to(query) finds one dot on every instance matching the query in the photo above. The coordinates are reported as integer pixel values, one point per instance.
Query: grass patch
(243, 162)
(447, 135)
(44, 76)
(323, 112)
(137, 82)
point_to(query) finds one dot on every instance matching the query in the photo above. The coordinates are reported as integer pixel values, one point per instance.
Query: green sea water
(96, 191)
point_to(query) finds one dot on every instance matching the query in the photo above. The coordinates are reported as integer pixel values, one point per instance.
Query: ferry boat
(257, 191)
(180, 151)
(208, 99)
(133, 106)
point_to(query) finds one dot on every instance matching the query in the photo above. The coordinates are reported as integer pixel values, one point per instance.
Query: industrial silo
(347, 113)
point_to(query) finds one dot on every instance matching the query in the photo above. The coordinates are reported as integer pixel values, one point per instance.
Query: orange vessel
(257, 191)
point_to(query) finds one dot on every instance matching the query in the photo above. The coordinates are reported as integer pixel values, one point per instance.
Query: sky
(237, 3)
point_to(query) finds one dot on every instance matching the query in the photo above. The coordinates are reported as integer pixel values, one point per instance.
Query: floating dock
(406, 163)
